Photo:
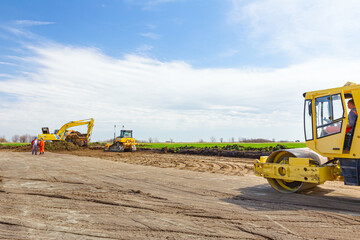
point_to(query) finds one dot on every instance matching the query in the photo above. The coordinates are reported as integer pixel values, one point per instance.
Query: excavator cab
(45, 130)
(332, 152)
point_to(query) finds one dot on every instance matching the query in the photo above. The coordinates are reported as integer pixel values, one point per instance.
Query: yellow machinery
(64, 134)
(124, 142)
(332, 153)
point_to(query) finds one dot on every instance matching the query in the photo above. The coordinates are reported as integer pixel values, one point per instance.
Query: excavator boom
(64, 134)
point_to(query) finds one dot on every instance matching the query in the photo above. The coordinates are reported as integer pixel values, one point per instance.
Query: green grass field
(14, 144)
(203, 145)
(198, 145)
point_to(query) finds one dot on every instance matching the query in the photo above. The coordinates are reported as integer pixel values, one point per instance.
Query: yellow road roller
(333, 144)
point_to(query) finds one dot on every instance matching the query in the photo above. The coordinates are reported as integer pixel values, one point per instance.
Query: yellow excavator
(123, 143)
(65, 134)
(333, 146)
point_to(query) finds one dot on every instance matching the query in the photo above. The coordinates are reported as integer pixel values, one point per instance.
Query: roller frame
(293, 170)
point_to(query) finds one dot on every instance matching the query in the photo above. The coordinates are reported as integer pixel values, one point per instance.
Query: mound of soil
(23, 148)
(60, 146)
(96, 147)
(235, 151)
(49, 146)
(215, 152)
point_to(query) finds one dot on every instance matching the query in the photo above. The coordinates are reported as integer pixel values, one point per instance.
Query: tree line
(240, 140)
(25, 138)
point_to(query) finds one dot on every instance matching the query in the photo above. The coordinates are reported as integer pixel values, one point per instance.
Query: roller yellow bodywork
(331, 148)
(297, 169)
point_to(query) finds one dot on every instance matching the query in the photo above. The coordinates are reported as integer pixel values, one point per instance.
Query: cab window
(126, 134)
(308, 121)
(338, 110)
(329, 115)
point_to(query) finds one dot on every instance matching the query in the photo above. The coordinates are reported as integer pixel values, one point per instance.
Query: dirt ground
(144, 195)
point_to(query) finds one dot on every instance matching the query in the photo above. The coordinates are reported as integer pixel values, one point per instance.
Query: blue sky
(179, 69)
(198, 32)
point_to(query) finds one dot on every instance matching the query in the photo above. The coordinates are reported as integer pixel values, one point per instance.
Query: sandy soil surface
(223, 165)
(123, 196)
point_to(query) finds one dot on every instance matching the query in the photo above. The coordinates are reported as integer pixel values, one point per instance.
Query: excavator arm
(63, 134)
(90, 128)
(62, 130)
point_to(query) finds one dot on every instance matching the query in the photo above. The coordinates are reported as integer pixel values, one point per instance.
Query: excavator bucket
(77, 138)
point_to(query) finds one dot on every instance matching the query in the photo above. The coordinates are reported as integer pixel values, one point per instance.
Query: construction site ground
(91, 194)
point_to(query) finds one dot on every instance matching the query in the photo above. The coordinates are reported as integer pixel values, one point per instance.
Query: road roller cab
(332, 152)
(326, 118)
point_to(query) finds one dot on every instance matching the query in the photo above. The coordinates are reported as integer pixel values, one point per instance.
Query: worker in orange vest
(42, 146)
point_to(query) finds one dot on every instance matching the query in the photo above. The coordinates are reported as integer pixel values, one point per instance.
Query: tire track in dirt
(213, 164)
(292, 203)
(97, 198)
(166, 208)
(336, 218)
(110, 195)
(46, 229)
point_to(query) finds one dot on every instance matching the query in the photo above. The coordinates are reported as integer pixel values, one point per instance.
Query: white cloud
(7, 63)
(161, 99)
(150, 4)
(151, 26)
(302, 28)
(151, 35)
(143, 49)
(16, 31)
(229, 53)
(28, 23)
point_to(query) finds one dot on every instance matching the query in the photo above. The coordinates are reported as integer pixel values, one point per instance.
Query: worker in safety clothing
(352, 115)
(42, 146)
(34, 145)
